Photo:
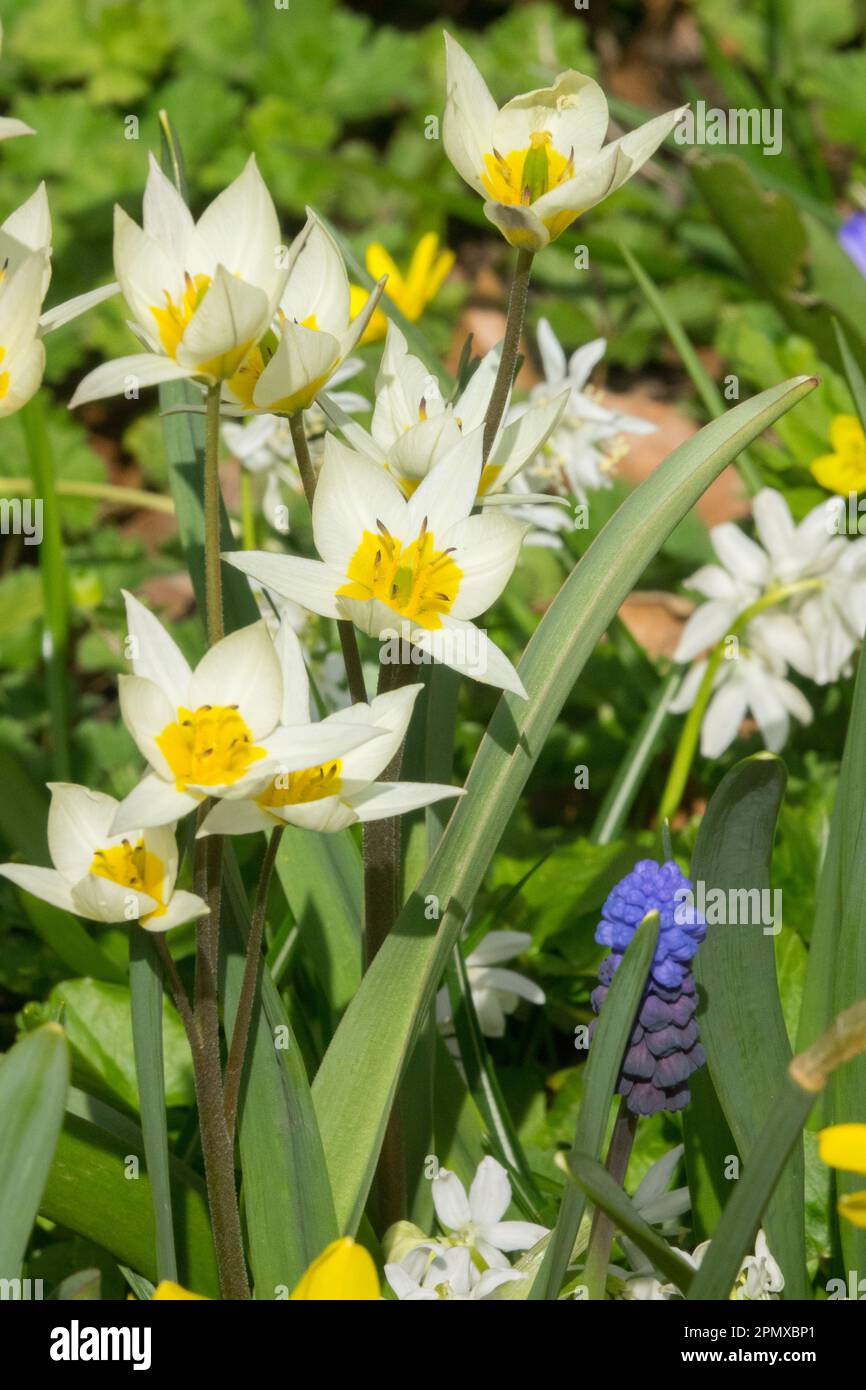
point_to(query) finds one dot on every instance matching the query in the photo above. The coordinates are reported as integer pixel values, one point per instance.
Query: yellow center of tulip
(416, 580)
(523, 176)
(132, 866)
(208, 747)
(299, 788)
(4, 376)
(173, 320)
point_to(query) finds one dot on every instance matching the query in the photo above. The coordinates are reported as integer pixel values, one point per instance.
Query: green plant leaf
(735, 1234)
(740, 1014)
(34, 1076)
(145, 982)
(288, 1206)
(609, 1044)
(322, 878)
(606, 1193)
(358, 1078)
(72, 942)
(91, 1190)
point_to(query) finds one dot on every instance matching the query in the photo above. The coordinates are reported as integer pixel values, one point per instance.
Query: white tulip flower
(202, 294)
(214, 731)
(25, 257)
(413, 571)
(540, 161)
(343, 790)
(104, 876)
(312, 334)
(414, 428)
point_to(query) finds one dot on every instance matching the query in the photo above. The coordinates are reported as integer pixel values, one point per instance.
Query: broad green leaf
(72, 942)
(709, 1146)
(322, 878)
(735, 1234)
(740, 1015)
(93, 1189)
(358, 1078)
(34, 1076)
(145, 982)
(97, 1018)
(609, 1044)
(287, 1201)
(606, 1193)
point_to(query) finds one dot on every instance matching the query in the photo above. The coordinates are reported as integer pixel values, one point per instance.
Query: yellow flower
(844, 1146)
(844, 470)
(343, 1271)
(428, 269)
(167, 1290)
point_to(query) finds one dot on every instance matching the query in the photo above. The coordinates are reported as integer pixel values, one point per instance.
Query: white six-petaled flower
(413, 570)
(541, 160)
(343, 790)
(103, 875)
(214, 731)
(495, 992)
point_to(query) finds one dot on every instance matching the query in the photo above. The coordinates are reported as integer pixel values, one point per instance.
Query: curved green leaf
(358, 1078)
(34, 1076)
(740, 1014)
(145, 981)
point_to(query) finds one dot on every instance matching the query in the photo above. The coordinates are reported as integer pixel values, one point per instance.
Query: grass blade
(609, 1043)
(855, 378)
(736, 973)
(145, 980)
(601, 1188)
(614, 810)
(358, 1078)
(34, 1077)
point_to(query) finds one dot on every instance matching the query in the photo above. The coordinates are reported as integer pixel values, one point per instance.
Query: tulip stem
(688, 742)
(212, 497)
(241, 1031)
(602, 1230)
(345, 630)
(510, 347)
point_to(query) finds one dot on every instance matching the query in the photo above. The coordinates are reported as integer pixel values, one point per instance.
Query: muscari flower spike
(663, 1049)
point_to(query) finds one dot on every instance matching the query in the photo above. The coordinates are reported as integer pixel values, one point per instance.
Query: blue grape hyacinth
(663, 1049)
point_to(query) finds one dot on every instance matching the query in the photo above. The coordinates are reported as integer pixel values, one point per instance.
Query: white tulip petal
(391, 714)
(231, 316)
(447, 494)
(10, 127)
(155, 654)
(183, 907)
(467, 648)
(46, 884)
(147, 273)
(236, 818)
(385, 799)
(240, 230)
(103, 900)
(73, 308)
(352, 495)
(26, 230)
(318, 286)
(310, 583)
(122, 374)
(242, 669)
(26, 371)
(153, 802)
(295, 708)
(524, 437)
(146, 711)
(311, 745)
(487, 547)
(166, 217)
(470, 111)
(300, 367)
(79, 822)
(520, 225)
(573, 110)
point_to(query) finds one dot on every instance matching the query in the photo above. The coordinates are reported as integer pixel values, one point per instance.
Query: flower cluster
(663, 1048)
(795, 597)
(468, 1261)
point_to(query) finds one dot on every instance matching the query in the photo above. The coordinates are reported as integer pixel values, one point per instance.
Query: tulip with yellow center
(342, 791)
(428, 269)
(102, 875)
(343, 1272)
(843, 470)
(201, 293)
(414, 428)
(844, 1146)
(410, 570)
(540, 161)
(214, 731)
(311, 335)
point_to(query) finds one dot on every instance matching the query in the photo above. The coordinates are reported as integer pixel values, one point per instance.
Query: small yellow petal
(380, 263)
(854, 1208)
(167, 1290)
(343, 1271)
(844, 1146)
